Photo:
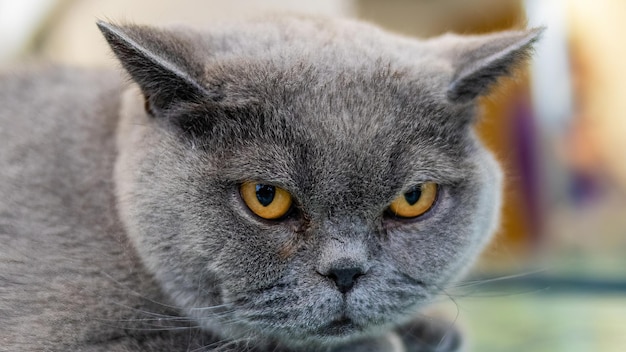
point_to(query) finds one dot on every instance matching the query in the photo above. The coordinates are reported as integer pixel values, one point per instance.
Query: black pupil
(413, 195)
(265, 194)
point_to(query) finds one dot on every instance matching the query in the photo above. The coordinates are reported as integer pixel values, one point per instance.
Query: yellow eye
(266, 201)
(416, 201)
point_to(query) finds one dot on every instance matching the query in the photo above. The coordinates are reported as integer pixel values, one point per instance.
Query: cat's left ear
(163, 64)
(478, 61)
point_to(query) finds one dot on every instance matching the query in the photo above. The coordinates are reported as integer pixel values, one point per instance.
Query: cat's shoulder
(44, 104)
(57, 127)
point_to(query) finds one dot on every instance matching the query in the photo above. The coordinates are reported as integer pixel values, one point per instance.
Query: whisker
(223, 344)
(152, 327)
(225, 305)
(480, 294)
(139, 320)
(453, 323)
(166, 328)
(144, 311)
(137, 294)
(473, 283)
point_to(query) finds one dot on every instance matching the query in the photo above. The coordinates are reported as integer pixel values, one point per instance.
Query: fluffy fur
(121, 224)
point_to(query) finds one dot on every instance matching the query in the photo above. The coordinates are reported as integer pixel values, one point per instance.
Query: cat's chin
(325, 318)
(340, 328)
(328, 336)
(335, 333)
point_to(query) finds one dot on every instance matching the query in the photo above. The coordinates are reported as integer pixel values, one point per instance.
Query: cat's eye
(267, 201)
(415, 202)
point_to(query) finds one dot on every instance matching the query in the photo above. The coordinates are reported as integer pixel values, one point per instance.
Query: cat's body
(122, 226)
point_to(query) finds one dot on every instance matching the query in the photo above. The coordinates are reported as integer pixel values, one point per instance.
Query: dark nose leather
(345, 278)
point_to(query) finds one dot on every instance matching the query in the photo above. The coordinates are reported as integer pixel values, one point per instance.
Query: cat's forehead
(359, 126)
(328, 64)
(347, 111)
(377, 95)
(374, 118)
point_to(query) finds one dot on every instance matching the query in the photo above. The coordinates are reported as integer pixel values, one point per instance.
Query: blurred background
(554, 279)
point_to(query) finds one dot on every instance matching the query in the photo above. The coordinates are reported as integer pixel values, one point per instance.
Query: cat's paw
(430, 335)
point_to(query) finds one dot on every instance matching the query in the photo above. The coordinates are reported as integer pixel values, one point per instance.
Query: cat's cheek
(418, 246)
(301, 309)
(385, 297)
(423, 254)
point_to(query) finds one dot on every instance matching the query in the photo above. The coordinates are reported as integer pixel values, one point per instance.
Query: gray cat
(282, 184)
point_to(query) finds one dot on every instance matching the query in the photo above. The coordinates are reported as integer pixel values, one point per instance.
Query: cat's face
(342, 141)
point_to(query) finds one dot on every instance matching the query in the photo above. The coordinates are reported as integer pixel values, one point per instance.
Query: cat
(288, 184)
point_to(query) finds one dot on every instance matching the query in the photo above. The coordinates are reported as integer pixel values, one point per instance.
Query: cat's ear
(478, 61)
(162, 64)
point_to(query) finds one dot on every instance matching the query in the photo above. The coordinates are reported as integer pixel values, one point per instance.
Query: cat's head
(304, 179)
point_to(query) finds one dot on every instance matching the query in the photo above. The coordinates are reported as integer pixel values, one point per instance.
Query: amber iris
(267, 201)
(415, 202)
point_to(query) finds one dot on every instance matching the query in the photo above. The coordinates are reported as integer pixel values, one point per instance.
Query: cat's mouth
(343, 326)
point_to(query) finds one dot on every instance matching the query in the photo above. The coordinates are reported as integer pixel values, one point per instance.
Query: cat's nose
(345, 278)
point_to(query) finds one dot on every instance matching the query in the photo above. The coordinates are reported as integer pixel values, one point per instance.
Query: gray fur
(121, 224)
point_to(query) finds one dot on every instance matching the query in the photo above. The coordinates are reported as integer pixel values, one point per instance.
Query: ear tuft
(479, 61)
(160, 62)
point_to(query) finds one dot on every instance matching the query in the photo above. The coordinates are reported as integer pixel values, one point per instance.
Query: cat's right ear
(163, 65)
